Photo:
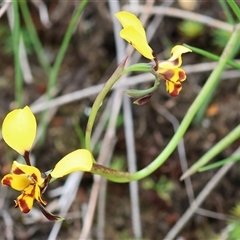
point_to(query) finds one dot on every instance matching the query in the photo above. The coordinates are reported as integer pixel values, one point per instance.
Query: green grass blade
(226, 11)
(200, 114)
(16, 44)
(220, 163)
(212, 56)
(235, 8)
(216, 149)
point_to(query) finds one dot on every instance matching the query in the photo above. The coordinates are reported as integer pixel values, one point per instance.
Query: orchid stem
(99, 100)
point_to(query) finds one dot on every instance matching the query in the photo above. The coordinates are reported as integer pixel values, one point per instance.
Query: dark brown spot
(26, 157)
(143, 100)
(18, 171)
(7, 181)
(34, 177)
(156, 61)
(167, 75)
(181, 75)
(32, 193)
(23, 204)
(176, 90)
(175, 62)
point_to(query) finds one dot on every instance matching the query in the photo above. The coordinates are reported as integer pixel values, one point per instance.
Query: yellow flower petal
(176, 59)
(33, 173)
(179, 50)
(16, 182)
(37, 195)
(128, 19)
(134, 33)
(19, 129)
(136, 40)
(174, 75)
(79, 160)
(26, 199)
(173, 88)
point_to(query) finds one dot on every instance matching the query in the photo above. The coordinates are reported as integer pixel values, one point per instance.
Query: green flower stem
(212, 56)
(16, 41)
(139, 67)
(220, 163)
(189, 115)
(110, 173)
(98, 102)
(234, 7)
(224, 143)
(135, 93)
(142, 67)
(34, 37)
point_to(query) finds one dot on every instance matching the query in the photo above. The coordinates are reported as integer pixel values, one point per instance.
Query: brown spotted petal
(38, 195)
(30, 172)
(175, 60)
(174, 75)
(26, 199)
(18, 183)
(173, 88)
(173, 79)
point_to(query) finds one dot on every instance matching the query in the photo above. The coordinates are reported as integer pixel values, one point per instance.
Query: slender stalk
(98, 102)
(16, 41)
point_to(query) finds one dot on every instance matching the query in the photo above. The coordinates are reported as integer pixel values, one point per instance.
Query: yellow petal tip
(78, 160)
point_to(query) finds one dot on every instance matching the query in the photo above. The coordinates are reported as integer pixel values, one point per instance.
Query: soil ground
(90, 60)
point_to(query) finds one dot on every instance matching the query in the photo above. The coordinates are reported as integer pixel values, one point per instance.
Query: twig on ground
(141, 78)
(68, 194)
(24, 63)
(199, 199)
(183, 14)
(4, 7)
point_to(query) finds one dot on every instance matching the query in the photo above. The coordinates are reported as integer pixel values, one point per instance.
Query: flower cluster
(134, 33)
(19, 132)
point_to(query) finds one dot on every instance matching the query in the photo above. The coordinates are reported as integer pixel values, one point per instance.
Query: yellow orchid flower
(134, 33)
(27, 179)
(169, 70)
(19, 131)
